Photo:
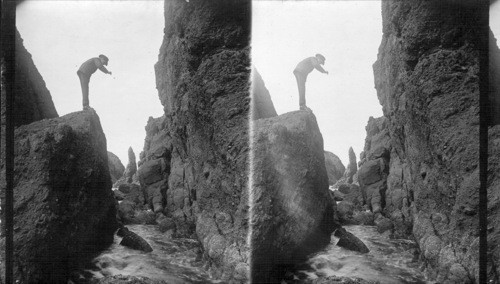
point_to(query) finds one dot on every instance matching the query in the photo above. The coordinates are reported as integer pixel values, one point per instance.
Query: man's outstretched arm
(319, 68)
(103, 69)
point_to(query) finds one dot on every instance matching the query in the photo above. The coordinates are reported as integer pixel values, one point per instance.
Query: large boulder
(64, 210)
(292, 213)
(116, 167)
(427, 80)
(334, 167)
(262, 105)
(203, 82)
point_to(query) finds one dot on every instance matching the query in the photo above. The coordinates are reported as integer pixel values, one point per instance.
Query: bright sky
(495, 20)
(61, 35)
(348, 34)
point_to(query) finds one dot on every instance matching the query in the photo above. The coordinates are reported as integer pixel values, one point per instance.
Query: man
(302, 70)
(86, 70)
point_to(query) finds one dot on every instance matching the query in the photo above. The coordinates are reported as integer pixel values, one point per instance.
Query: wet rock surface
(64, 209)
(132, 240)
(292, 213)
(349, 241)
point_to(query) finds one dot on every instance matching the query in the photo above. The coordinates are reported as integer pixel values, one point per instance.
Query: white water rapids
(390, 261)
(178, 260)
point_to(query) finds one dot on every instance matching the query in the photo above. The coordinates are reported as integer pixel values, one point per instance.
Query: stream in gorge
(389, 261)
(173, 260)
(178, 260)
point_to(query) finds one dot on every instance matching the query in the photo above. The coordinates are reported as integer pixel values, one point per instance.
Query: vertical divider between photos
(483, 138)
(8, 52)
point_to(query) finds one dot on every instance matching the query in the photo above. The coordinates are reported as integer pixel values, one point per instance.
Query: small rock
(350, 241)
(383, 224)
(337, 195)
(165, 224)
(134, 241)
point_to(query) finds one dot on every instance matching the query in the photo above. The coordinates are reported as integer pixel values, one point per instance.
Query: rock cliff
(494, 83)
(202, 77)
(262, 105)
(131, 168)
(334, 167)
(427, 80)
(116, 167)
(32, 101)
(292, 213)
(64, 209)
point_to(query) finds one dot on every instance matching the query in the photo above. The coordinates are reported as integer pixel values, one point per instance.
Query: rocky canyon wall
(200, 147)
(427, 81)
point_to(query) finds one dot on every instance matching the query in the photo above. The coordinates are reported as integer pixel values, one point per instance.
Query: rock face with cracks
(292, 213)
(203, 82)
(64, 210)
(427, 80)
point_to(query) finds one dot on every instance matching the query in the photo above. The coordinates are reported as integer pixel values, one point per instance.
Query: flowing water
(178, 260)
(172, 260)
(389, 260)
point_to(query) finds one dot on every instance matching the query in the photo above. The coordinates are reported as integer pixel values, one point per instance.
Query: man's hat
(104, 57)
(320, 56)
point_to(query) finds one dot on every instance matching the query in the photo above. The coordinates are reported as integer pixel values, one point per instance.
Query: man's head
(104, 59)
(321, 58)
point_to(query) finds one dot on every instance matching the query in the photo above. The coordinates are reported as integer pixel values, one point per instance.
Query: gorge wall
(201, 146)
(427, 81)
